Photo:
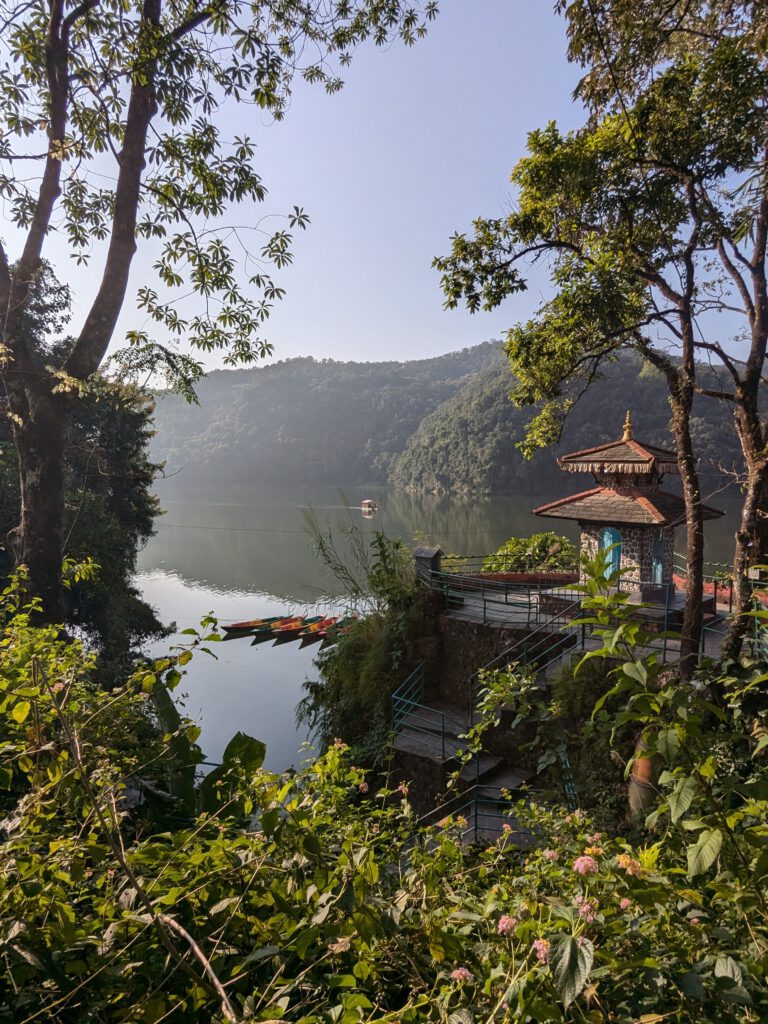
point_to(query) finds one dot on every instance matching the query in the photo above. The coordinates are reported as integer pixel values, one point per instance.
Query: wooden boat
(249, 624)
(340, 628)
(266, 632)
(314, 633)
(291, 630)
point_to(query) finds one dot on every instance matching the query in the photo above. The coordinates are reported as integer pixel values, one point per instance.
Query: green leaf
(244, 750)
(691, 986)
(726, 967)
(635, 670)
(681, 797)
(571, 964)
(668, 744)
(261, 954)
(20, 711)
(703, 853)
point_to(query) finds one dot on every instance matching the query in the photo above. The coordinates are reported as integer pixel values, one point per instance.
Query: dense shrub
(541, 551)
(312, 898)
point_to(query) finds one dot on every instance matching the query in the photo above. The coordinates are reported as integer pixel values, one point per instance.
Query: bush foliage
(312, 898)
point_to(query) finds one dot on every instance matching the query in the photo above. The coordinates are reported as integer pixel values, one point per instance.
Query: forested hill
(444, 424)
(307, 419)
(468, 444)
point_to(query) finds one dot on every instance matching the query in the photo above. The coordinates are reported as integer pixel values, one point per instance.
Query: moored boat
(314, 632)
(249, 624)
(291, 630)
(266, 632)
(340, 628)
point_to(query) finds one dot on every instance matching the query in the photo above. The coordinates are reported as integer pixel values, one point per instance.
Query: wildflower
(587, 908)
(630, 865)
(595, 839)
(506, 924)
(363, 787)
(461, 821)
(551, 854)
(625, 903)
(403, 788)
(339, 744)
(506, 827)
(461, 974)
(695, 920)
(594, 851)
(574, 816)
(585, 866)
(541, 949)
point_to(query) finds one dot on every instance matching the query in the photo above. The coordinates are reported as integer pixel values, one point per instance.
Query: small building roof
(426, 552)
(605, 505)
(620, 457)
(625, 456)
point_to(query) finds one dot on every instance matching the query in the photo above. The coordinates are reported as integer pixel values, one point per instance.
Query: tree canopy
(652, 221)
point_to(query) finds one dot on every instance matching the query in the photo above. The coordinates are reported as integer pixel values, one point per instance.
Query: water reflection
(243, 554)
(258, 540)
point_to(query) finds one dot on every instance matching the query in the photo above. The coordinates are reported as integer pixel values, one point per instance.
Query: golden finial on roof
(627, 428)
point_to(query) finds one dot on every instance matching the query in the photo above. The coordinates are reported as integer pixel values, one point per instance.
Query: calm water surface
(243, 554)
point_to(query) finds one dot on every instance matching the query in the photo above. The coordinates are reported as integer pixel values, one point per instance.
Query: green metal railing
(476, 810)
(534, 648)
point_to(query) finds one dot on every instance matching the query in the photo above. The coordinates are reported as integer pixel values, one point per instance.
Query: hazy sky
(420, 142)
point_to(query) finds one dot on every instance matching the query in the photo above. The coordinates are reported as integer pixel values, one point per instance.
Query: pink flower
(625, 903)
(462, 975)
(695, 920)
(403, 788)
(506, 827)
(595, 838)
(551, 854)
(587, 908)
(541, 949)
(585, 866)
(363, 787)
(506, 924)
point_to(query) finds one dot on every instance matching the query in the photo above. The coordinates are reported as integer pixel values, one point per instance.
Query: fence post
(442, 732)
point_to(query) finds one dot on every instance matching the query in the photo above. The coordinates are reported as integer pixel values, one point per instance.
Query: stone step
(507, 778)
(435, 719)
(472, 771)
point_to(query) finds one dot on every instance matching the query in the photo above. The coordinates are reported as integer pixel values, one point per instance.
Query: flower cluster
(587, 908)
(551, 855)
(541, 949)
(462, 975)
(507, 924)
(630, 865)
(585, 865)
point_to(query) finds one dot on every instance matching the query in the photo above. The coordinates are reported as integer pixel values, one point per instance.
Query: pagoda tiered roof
(628, 457)
(622, 498)
(625, 457)
(607, 505)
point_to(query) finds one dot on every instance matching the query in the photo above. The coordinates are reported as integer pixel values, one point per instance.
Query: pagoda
(627, 513)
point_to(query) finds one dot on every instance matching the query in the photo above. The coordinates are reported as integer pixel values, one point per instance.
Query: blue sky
(420, 142)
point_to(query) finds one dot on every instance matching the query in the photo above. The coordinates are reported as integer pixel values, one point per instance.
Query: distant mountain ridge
(444, 424)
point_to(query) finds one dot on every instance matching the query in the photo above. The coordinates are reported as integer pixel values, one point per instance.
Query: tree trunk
(694, 580)
(749, 550)
(37, 541)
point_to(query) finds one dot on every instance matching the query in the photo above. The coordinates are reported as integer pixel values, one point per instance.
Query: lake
(247, 553)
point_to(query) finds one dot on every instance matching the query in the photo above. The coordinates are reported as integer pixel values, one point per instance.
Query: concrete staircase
(435, 733)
